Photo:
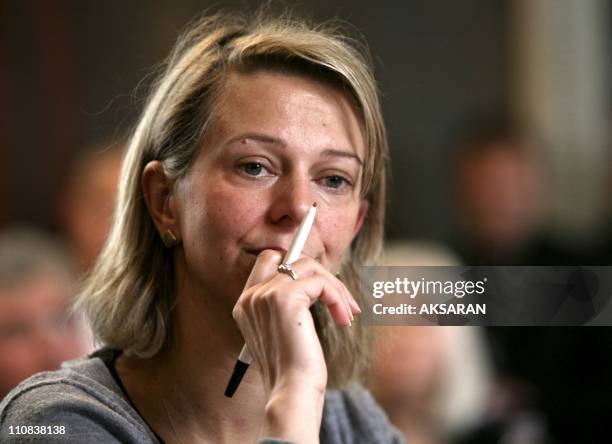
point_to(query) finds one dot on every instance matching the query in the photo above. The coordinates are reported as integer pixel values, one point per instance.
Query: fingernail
(348, 310)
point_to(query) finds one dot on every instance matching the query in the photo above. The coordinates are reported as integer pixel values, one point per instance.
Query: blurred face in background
(408, 365)
(35, 333)
(89, 203)
(499, 195)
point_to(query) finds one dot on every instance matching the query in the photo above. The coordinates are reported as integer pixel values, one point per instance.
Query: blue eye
(252, 168)
(335, 182)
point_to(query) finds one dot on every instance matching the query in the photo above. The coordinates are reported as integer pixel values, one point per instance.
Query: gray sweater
(82, 403)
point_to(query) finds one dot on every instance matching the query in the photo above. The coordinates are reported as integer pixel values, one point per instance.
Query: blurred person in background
(88, 201)
(432, 381)
(500, 192)
(36, 331)
(438, 384)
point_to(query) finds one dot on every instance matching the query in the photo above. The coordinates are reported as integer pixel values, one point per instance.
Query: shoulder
(354, 413)
(82, 397)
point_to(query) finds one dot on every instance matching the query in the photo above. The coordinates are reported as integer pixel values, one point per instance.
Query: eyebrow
(269, 140)
(342, 153)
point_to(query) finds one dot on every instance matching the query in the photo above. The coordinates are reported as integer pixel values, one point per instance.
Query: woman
(251, 123)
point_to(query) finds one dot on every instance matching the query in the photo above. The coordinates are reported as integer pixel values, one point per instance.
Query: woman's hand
(274, 318)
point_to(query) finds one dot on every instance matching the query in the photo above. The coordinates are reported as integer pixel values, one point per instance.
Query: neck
(191, 373)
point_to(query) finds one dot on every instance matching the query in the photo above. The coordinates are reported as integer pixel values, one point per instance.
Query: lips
(255, 251)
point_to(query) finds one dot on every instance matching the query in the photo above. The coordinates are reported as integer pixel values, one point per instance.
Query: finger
(351, 305)
(265, 267)
(354, 306)
(314, 287)
(305, 266)
(342, 290)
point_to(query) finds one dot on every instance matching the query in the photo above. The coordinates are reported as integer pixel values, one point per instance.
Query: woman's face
(276, 144)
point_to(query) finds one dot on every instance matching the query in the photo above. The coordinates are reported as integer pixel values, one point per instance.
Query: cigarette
(292, 255)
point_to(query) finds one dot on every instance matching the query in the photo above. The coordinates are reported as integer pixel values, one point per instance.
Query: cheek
(336, 230)
(218, 218)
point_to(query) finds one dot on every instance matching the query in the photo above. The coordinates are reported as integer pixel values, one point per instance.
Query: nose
(292, 198)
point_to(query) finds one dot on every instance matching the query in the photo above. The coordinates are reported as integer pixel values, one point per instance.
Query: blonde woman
(252, 122)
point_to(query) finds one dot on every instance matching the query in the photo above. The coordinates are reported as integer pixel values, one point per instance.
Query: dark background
(70, 72)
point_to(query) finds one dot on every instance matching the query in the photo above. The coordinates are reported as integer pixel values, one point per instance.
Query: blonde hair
(130, 291)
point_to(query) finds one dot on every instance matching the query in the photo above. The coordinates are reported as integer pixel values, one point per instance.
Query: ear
(160, 199)
(361, 215)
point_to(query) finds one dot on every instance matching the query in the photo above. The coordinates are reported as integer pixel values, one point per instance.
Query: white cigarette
(294, 251)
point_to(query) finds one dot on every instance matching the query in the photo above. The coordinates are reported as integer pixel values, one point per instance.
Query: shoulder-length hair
(129, 293)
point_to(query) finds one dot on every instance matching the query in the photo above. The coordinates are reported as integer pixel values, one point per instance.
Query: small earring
(169, 239)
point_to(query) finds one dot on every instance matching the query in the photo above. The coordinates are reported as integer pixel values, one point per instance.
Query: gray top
(82, 403)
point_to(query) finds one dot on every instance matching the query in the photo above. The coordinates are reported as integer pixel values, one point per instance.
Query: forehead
(296, 108)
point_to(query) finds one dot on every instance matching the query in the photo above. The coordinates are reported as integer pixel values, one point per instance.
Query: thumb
(265, 267)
